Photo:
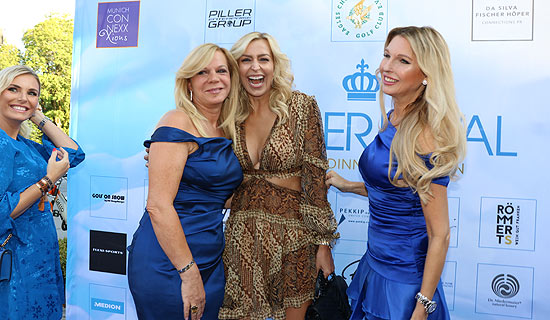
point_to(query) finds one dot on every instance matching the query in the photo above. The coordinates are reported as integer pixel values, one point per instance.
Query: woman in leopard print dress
(281, 226)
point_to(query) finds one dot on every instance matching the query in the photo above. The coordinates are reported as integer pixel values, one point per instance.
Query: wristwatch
(428, 304)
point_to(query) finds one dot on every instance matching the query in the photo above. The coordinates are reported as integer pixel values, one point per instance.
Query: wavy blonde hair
(6, 78)
(283, 79)
(195, 62)
(434, 113)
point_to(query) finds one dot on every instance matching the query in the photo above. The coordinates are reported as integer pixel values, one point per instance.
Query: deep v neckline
(267, 141)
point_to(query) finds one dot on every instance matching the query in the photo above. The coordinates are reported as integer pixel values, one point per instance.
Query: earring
(191, 93)
(425, 82)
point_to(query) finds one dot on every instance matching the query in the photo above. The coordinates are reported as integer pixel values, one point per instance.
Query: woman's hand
(58, 168)
(334, 179)
(419, 312)
(192, 293)
(37, 115)
(324, 260)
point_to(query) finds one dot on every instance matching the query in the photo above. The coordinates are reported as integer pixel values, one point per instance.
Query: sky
(17, 16)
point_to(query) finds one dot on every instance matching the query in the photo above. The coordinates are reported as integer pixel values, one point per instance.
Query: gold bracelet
(325, 243)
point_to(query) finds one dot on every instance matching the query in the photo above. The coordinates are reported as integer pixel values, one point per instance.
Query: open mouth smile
(256, 81)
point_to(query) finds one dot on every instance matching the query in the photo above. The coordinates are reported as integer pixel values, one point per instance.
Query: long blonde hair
(196, 61)
(6, 78)
(281, 89)
(434, 112)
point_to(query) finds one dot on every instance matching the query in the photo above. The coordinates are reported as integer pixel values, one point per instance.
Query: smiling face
(20, 99)
(401, 75)
(212, 84)
(256, 68)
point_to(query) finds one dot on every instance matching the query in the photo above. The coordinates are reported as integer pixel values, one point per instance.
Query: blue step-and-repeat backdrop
(125, 58)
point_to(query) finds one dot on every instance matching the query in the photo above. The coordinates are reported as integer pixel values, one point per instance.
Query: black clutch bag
(331, 301)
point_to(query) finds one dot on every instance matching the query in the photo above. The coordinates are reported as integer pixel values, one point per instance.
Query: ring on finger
(194, 309)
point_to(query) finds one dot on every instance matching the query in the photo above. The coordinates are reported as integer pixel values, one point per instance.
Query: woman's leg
(297, 313)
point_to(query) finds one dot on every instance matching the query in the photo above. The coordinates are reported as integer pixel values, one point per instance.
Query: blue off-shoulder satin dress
(210, 175)
(390, 273)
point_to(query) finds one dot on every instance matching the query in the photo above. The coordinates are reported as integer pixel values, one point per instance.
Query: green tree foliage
(48, 51)
(63, 257)
(9, 55)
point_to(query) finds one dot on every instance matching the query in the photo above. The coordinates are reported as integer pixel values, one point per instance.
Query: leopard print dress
(273, 232)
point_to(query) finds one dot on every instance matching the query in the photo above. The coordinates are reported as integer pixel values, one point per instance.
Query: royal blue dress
(390, 273)
(36, 289)
(210, 175)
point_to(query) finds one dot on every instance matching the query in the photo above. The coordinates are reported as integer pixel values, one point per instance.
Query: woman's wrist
(43, 122)
(186, 267)
(39, 119)
(45, 184)
(325, 243)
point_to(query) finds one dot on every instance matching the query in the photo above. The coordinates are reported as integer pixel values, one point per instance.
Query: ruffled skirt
(375, 297)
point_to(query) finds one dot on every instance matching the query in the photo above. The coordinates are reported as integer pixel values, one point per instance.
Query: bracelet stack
(45, 185)
(187, 267)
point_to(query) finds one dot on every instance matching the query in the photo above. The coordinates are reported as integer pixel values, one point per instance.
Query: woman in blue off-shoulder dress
(175, 267)
(406, 170)
(28, 170)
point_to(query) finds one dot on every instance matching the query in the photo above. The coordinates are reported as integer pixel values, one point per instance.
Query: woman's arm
(436, 213)
(55, 170)
(335, 180)
(166, 164)
(314, 205)
(54, 133)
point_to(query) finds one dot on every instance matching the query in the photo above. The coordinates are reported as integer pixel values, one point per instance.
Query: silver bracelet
(187, 267)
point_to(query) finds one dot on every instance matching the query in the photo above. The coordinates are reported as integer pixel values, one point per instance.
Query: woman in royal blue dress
(28, 170)
(406, 170)
(175, 267)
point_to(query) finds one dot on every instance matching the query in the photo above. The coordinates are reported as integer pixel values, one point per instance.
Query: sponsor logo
(108, 197)
(117, 24)
(227, 21)
(362, 85)
(229, 18)
(356, 215)
(354, 20)
(352, 214)
(108, 306)
(510, 221)
(108, 252)
(107, 302)
(502, 20)
(505, 285)
(505, 223)
(505, 290)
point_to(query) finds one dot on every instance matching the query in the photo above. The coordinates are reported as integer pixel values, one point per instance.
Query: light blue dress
(36, 289)
(390, 273)
(210, 175)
